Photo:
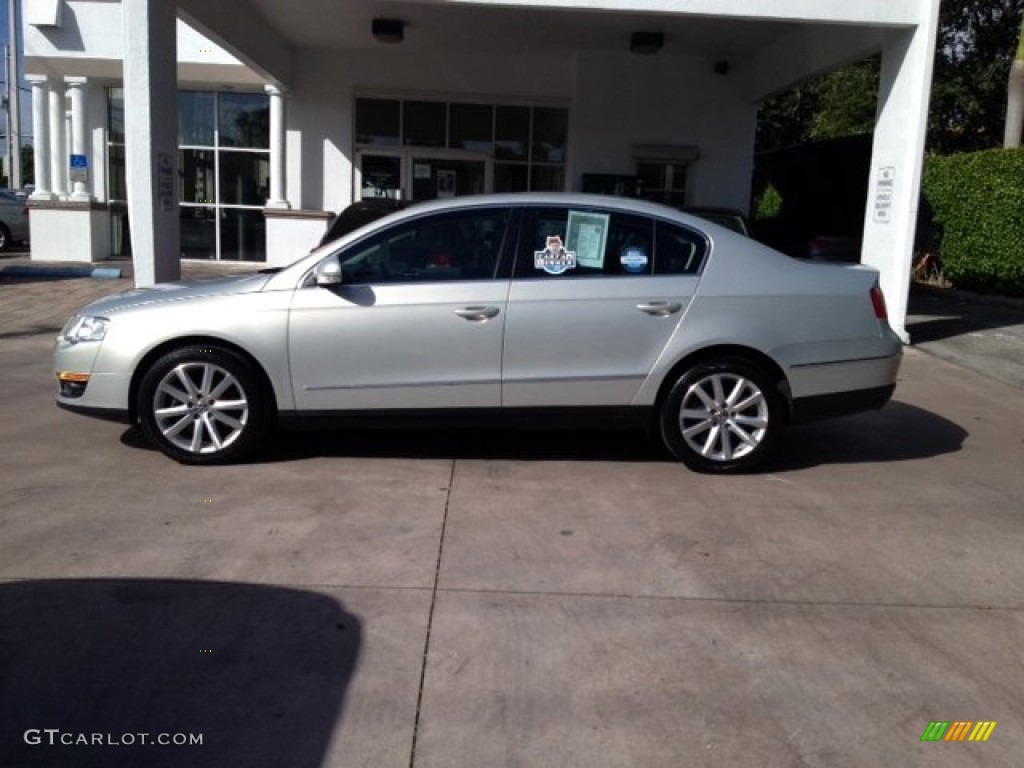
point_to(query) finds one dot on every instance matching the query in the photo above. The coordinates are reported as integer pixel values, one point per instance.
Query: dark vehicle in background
(360, 214)
(13, 219)
(823, 186)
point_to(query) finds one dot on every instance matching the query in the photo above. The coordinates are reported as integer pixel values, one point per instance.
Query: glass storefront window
(198, 233)
(424, 123)
(243, 120)
(196, 118)
(510, 178)
(115, 115)
(243, 235)
(472, 127)
(378, 122)
(198, 176)
(547, 178)
(550, 131)
(244, 178)
(116, 176)
(512, 133)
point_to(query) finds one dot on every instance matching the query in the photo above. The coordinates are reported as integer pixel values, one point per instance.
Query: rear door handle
(660, 308)
(477, 314)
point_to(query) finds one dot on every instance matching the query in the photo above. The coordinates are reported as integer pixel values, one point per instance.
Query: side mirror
(328, 272)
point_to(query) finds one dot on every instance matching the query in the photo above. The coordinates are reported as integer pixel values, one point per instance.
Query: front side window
(459, 246)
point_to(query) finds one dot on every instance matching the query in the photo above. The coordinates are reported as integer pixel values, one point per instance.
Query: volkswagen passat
(513, 306)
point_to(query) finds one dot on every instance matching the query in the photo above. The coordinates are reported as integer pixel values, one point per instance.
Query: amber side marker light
(74, 378)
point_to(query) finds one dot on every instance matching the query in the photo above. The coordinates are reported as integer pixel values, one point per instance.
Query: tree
(1015, 98)
(974, 49)
(976, 43)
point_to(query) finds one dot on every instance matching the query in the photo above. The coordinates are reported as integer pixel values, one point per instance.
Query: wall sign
(885, 185)
(79, 168)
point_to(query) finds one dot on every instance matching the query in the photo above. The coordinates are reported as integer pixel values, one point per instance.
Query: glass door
(422, 175)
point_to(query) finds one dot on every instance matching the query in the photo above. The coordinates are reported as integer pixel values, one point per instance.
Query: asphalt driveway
(496, 598)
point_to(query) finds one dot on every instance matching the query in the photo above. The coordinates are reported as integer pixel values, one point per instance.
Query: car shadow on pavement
(899, 432)
(258, 673)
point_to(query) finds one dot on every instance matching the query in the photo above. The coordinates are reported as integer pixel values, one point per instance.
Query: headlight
(84, 328)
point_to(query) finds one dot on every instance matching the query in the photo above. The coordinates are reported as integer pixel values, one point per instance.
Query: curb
(100, 273)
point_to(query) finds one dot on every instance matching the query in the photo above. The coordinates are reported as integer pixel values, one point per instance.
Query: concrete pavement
(503, 599)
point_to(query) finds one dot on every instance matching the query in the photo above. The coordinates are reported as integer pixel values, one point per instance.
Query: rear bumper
(818, 407)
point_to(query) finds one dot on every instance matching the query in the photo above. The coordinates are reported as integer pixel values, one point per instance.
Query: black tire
(728, 426)
(5, 238)
(203, 405)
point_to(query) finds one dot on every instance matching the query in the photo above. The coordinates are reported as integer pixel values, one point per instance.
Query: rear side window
(563, 243)
(679, 251)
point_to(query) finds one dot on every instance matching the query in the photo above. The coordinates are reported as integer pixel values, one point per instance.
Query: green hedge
(978, 205)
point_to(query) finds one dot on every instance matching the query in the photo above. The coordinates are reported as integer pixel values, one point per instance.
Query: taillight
(878, 302)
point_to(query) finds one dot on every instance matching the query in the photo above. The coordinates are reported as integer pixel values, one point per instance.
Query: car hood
(183, 290)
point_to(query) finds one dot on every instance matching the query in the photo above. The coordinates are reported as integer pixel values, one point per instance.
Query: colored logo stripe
(982, 730)
(958, 730)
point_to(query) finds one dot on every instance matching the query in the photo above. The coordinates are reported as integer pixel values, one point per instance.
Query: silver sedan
(540, 306)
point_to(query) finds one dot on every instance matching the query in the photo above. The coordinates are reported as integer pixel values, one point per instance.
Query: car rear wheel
(721, 416)
(203, 405)
(5, 238)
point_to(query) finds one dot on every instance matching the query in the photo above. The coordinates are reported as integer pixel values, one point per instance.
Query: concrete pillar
(77, 94)
(278, 198)
(897, 159)
(41, 134)
(151, 138)
(58, 159)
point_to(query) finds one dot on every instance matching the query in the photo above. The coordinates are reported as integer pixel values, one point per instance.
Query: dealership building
(235, 129)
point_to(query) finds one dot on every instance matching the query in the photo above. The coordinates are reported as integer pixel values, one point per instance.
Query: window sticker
(634, 260)
(554, 259)
(586, 234)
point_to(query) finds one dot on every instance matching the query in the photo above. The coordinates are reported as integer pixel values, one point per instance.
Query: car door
(589, 313)
(416, 322)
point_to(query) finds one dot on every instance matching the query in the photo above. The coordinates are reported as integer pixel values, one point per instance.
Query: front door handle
(660, 308)
(477, 314)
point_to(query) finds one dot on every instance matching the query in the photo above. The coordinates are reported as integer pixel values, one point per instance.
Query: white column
(58, 160)
(277, 149)
(41, 137)
(898, 158)
(77, 94)
(151, 137)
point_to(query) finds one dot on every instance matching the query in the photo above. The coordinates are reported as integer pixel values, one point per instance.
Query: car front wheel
(721, 416)
(203, 405)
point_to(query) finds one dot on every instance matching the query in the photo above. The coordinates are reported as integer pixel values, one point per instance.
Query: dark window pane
(197, 176)
(463, 246)
(195, 118)
(510, 178)
(546, 178)
(382, 176)
(512, 133)
(244, 120)
(198, 233)
(115, 114)
(680, 251)
(243, 235)
(244, 178)
(377, 122)
(550, 128)
(116, 179)
(472, 127)
(424, 123)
